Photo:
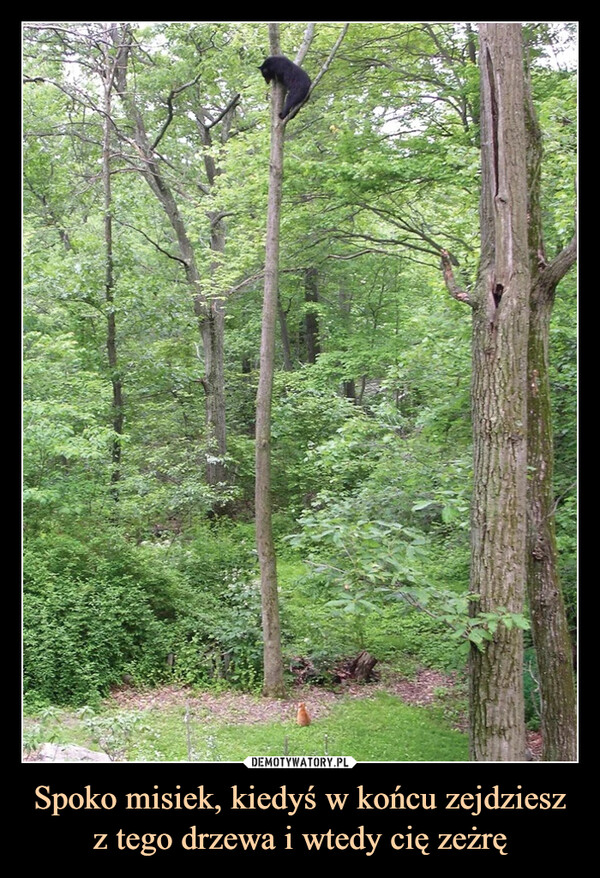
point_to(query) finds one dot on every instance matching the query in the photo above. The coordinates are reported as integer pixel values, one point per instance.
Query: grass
(378, 729)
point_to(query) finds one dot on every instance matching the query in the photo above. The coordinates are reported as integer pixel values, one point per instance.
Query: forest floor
(240, 708)
(235, 708)
(243, 708)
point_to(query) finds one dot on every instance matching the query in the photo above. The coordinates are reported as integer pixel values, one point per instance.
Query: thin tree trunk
(285, 337)
(549, 625)
(213, 322)
(212, 326)
(345, 303)
(109, 279)
(499, 400)
(273, 683)
(311, 320)
(213, 337)
(349, 390)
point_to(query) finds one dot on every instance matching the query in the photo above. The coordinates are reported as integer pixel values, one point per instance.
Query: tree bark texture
(273, 683)
(546, 605)
(549, 624)
(499, 400)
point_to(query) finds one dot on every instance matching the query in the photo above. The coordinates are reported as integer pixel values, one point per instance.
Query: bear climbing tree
(290, 76)
(293, 78)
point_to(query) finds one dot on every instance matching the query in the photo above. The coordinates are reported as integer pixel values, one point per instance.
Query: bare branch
(453, 288)
(174, 92)
(366, 251)
(551, 274)
(322, 71)
(332, 55)
(150, 241)
(232, 103)
(308, 38)
(259, 274)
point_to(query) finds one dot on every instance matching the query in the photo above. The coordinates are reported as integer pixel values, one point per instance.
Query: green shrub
(216, 635)
(90, 614)
(217, 638)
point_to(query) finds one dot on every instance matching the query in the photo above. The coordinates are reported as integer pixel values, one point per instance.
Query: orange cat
(303, 717)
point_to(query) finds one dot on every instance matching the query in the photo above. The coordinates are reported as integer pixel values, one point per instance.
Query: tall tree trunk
(213, 338)
(109, 280)
(273, 683)
(549, 625)
(210, 316)
(345, 303)
(499, 400)
(213, 319)
(212, 326)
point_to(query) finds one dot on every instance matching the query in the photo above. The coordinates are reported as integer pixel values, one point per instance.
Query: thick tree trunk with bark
(499, 400)
(546, 605)
(548, 617)
(547, 611)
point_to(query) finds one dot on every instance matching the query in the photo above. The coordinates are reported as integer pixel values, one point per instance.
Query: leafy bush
(217, 638)
(94, 612)
(216, 635)
(90, 614)
(372, 563)
(427, 640)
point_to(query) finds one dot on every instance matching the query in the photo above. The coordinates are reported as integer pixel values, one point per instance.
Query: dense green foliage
(371, 435)
(91, 613)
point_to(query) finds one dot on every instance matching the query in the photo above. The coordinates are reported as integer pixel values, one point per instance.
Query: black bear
(292, 77)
